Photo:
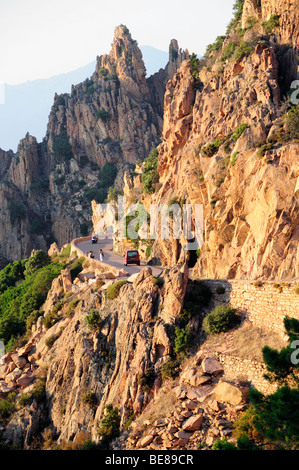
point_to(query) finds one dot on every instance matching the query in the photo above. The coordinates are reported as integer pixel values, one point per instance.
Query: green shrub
(194, 65)
(215, 47)
(220, 319)
(271, 24)
(263, 149)
(17, 211)
(62, 147)
(107, 175)
(109, 427)
(37, 261)
(36, 226)
(19, 301)
(223, 444)
(102, 114)
(90, 399)
(212, 148)
(65, 253)
(169, 369)
(233, 158)
(38, 393)
(51, 340)
(238, 10)
(258, 284)
(93, 320)
(150, 174)
(243, 50)
(73, 304)
(239, 131)
(148, 250)
(199, 294)
(31, 319)
(7, 406)
(113, 290)
(181, 339)
(50, 319)
(76, 268)
(228, 51)
(158, 281)
(103, 73)
(11, 274)
(147, 379)
(113, 194)
(97, 194)
(292, 122)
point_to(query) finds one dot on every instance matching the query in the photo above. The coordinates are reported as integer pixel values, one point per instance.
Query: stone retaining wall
(246, 370)
(265, 303)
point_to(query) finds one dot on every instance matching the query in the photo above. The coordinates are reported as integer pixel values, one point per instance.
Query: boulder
(211, 366)
(18, 360)
(200, 393)
(25, 380)
(25, 349)
(145, 441)
(193, 423)
(227, 393)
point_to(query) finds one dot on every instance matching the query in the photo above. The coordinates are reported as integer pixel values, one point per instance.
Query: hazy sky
(42, 38)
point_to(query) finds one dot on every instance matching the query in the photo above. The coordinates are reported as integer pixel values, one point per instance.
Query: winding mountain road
(111, 258)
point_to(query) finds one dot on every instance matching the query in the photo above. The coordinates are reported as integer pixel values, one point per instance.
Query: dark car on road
(132, 257)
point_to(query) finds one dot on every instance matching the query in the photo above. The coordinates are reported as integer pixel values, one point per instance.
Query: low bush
(150, 174)
(271, 24)
(51, 340)
(7, 406)
(102, 114)
(169, 369)
(222, 318)
(181, 339)
(243, 50)
(113, 290)
(228, 51)
(147, 379)
(263, 149)
(158, 281)
(212, 148)
(90, 399)
(292, 122)
(239, 131)
(76, 268)
(110, 423)
(93, 320)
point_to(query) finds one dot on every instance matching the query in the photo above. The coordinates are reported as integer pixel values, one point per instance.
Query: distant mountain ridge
(27, 106)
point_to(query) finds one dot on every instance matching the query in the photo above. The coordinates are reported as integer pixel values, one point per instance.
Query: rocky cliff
(113, 118)
(226, 145)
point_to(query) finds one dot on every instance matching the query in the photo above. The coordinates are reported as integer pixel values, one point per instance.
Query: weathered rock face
(134, 338)
(114, 117)
(213, 126)
(288, 29)
(110, 117)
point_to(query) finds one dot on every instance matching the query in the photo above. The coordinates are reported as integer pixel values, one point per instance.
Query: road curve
(111, 258)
